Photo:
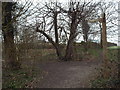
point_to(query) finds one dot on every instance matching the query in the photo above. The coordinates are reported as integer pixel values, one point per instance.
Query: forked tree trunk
(70, 54)
(69, 51)
(56, 46)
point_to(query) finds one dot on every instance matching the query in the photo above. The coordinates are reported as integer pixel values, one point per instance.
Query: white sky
(75, 0)
(115, 39)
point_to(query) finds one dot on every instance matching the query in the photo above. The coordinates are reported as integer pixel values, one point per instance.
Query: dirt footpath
(70, 74)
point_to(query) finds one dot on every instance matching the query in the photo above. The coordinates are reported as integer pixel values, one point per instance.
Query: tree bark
(101, 36)
(55, 27)
(85, 29)
(104, 44)
(8, 34)
(70, 54)
(119, 64)
(57, 46)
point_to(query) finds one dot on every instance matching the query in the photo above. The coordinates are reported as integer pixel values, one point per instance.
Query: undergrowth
(16, 79)
(113, 81)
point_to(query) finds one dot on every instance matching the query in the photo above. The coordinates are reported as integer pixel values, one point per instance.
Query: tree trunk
(119, 64)
(8, 34)
(55, 27)
(69, 51)
(85, 29)
(70, 54)
(57, 46)
(58, 51)
(10, 51)
(104, 42)
(101, 36)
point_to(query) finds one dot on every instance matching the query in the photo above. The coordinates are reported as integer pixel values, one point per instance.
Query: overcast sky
(115, 39)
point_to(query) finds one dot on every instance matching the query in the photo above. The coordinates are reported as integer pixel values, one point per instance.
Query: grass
(114, 47)
(91, 53)
(113, 80)
(95, 52)
(40, 55)
(105, 83)
(16, 79)
(23, 78)
(113, 55)
(20, 78)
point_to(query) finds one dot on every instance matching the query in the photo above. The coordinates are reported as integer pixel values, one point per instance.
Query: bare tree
(75, 12)
(12, 12)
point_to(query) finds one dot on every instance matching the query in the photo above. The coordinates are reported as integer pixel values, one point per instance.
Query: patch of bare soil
(70, 74)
